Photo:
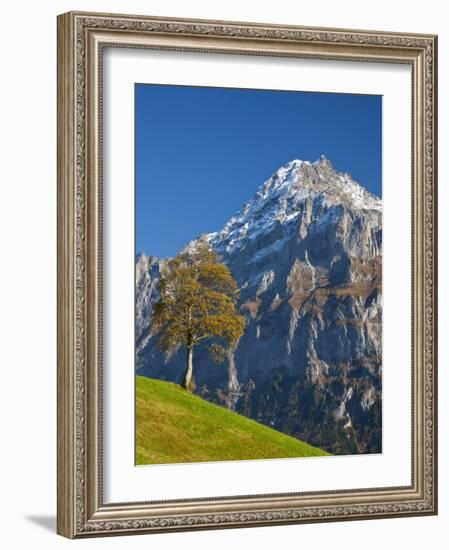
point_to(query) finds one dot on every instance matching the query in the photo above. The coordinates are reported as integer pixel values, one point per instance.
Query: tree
(197, 302)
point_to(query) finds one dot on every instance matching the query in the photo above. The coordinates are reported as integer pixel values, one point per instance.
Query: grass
(174, 426)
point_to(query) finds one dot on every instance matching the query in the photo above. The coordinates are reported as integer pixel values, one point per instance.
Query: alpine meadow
(258, 269)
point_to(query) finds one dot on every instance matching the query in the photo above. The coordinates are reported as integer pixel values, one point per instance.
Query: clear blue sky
(202, 152)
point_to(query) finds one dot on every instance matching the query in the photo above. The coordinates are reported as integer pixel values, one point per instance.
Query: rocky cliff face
(306, 252)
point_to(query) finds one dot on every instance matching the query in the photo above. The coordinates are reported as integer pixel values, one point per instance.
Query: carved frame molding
(81, 39)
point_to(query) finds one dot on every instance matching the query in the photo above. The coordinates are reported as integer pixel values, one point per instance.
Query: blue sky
(202, 152)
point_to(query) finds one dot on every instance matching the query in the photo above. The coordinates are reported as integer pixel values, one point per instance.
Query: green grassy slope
(173, 425)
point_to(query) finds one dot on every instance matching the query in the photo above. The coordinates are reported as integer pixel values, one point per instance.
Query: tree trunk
(187, 384)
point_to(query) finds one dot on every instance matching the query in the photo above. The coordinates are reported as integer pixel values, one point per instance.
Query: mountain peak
(318, 178)
(281, 197)
(323, 161)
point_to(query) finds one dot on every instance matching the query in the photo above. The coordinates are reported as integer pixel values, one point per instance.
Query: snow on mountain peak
(280, 198)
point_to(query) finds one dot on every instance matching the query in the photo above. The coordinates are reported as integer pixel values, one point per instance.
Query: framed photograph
(246, 274)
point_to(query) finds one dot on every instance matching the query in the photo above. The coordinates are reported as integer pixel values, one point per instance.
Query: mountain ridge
(289, 185)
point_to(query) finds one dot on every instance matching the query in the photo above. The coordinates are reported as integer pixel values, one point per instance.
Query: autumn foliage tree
(197, 302)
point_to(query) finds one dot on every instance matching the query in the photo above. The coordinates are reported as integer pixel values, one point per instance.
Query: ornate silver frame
(81, 38)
